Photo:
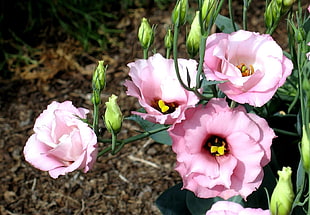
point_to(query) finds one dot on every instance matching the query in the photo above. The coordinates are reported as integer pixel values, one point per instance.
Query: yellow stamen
(221, 150)
(216, 146)
(163, 107)
(245, 71)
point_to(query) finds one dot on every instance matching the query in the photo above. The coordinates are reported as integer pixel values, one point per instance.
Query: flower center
(245, 71)
(216, 145)
(164, 107)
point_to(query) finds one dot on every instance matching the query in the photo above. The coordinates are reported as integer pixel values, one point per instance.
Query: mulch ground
(126, 183)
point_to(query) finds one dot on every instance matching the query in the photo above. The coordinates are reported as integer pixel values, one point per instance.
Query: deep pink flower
(221, 151)
(61, 142)
(155, 84)
(252, 65)
(232, 208)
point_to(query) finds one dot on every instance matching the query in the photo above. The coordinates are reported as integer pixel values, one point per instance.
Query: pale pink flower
(61, 142)
(221, 151)
(309, 8)
(232, 208)
(261, 60)
(155, 84)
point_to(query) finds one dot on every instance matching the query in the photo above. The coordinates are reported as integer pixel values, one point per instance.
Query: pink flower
(232, 208)
(252, 66)
(61, 141)
(155, 84)
(221, 151)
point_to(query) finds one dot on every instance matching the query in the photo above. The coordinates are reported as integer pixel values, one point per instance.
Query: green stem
(300, 91)
(96, 119)
(114, 140)
(121, 143)
(202, 49)
(231, 15)
(168, 53)
(175, 55)
(244, 19)
(308, 193)
(145, 53)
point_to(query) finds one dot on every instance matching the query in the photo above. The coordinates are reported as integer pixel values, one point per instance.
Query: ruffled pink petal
(36, 153)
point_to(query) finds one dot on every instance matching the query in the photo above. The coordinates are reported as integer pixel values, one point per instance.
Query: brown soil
(127, 183)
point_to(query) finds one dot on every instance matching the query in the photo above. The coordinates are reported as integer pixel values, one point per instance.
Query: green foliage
(160, 137)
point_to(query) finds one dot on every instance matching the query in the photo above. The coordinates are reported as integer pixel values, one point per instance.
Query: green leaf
(160, 137)
(199, 206)
(173, 201)
(225, 24)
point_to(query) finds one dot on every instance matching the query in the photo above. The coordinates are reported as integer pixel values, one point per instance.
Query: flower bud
(98, 81)
(113, 116)
(168, 39)
(179, 12)
(272, 13)
(286, 5)
(145, 34)
(194, 36)
(283, 194)
(207, 10)
(275, 10)
(305, 149)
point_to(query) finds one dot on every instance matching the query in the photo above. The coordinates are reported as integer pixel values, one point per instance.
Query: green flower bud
(301, 35)
(286, 5)
(194, 36)
(305, 149)
(98, 81)
(273, 13)
(145, 34)
(275, 10)
(207, 10)
(168, 39)
(268, 16)
(179, 12)
(283, 194)
(113, 117)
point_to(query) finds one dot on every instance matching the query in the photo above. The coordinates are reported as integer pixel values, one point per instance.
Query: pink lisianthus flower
(252, 65)
(61, 142)
(232, 208)
(221, 151)
(155, 84)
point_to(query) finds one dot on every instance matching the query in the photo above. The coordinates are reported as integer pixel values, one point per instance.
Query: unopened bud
(207, 10)
(168, 39)
(275, 10)
(194, 36)
(283, 194)
(145, 34)
(98, 81)
(179, 12)
(305, 149)
(273, 13)
(287, 4)
(301, 35)
(113, 117)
